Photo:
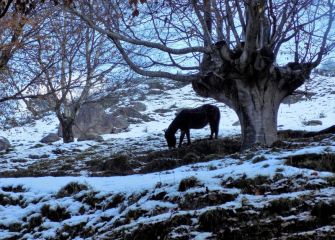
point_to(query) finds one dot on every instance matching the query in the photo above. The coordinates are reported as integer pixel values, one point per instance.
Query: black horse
(193, 118)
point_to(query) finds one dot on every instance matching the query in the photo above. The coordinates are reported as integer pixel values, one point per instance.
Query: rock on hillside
(92, 119)
(4, 144)
(50, 138)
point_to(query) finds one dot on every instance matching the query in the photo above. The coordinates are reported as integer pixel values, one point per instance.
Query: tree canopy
(248, 54)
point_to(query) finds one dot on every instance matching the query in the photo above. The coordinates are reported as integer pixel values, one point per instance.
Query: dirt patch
(7, 199)
(56, 214)
(319, 162)
(188, 183)
(324, 212)
(116, 165)
(278, 184)
(296, 134)
(159, 230)
(98, 160)
(283, 206)
(268, 223)
(74, 231)
(255, 186)
(71, 189)
(202, 199)
(160, 165)
(115, 201)
(15, 189)
(198, 151)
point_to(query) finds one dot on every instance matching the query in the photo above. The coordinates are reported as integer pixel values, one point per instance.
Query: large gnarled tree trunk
(254, 97)
(248, 80)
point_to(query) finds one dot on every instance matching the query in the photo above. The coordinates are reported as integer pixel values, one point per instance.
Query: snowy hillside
(286, 191)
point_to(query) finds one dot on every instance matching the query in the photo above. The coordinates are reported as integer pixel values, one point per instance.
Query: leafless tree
(26, 6)
(11, 34)
(69, 59)
(228, 50)
(16, 34)
(13, 19)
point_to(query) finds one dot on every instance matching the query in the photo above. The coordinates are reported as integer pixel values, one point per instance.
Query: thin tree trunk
(67, 129)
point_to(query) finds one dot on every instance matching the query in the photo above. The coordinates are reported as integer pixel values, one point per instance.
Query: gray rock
(90, 136)
(141, 97)
(116, 130)
(93, 119)
(33, 156)
(312, 123)
(155, 92)
(119, 122)
(50, 138)
(138, 106)
(135, 120)
(127, 112)
(4, 144)
(162, 110)
(58, 151)
(146, 118)
(237, 123)
(156, 85)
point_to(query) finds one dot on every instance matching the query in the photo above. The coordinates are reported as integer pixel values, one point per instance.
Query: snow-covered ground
(34, 193)
(24, 140)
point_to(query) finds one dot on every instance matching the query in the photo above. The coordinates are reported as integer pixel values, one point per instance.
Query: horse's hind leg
(214, 125)
(212, 133)
(217, 123)
(214, 130)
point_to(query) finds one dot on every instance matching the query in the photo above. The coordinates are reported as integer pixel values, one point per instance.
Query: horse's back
(192, 118)
(196, 118)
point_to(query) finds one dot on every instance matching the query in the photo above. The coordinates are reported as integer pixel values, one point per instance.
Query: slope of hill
(204, 191)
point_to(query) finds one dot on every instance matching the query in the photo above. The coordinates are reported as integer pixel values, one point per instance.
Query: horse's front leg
(182, 135)
(211, 136)
(188, 136)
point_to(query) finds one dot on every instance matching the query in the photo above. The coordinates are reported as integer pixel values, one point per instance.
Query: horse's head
(170, 139)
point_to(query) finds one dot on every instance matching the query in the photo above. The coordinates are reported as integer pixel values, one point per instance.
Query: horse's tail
(213, 116)
(212, 110)
(217, 113)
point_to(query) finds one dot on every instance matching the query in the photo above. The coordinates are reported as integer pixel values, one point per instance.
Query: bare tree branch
(161, 74)
(115, 35)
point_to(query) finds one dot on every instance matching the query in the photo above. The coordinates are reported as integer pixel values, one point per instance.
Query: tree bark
(254, 93)
(257, 112)
(67, 124)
